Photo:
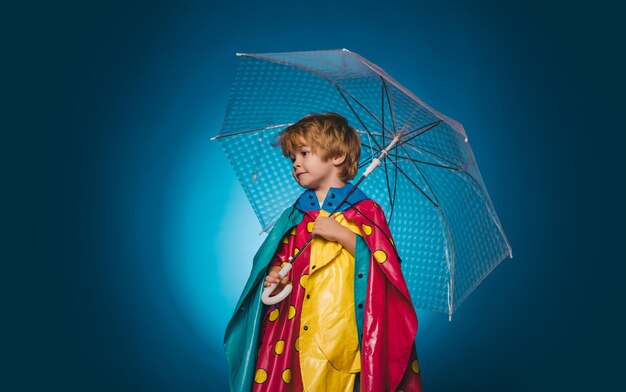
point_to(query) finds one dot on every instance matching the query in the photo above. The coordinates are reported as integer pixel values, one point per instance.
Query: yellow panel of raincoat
(328, 341)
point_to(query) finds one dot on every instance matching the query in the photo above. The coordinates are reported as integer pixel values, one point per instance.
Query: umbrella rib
(407, 157)
(408, 133)
(424, 129)
(366, 145)
(455, 168)
(417, 132)
(355, 114)
(369, 137)
(376, 134)
(391, 198)
(342, 91)
(389, 103)
(368, 160)
(392, 195)
(249, 130)
(423, 162)
(415, 185)
(434, 154)
(421, 174)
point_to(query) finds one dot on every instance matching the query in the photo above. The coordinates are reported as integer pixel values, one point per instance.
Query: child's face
(310, 171)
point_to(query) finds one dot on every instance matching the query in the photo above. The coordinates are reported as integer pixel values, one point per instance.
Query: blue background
(128, 239)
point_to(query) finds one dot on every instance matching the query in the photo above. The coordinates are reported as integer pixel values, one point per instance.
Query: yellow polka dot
(274, 314)
(296, 345)
(287, 376)
(260, 377)
(391, 240)
(293, 231)
(303, 279)
(367, 230)
(292, 312)
(380, 256)
(296, 251)
(415, 366)
(285, 240)
(279, 347)
(309, 227)
(283, 264)
(376, 205)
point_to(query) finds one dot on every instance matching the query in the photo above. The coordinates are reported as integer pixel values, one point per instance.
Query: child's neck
(322, 190)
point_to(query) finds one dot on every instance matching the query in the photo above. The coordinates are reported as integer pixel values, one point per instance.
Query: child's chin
(305, 184)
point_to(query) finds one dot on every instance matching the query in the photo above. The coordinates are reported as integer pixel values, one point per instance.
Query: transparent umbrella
(443, 222)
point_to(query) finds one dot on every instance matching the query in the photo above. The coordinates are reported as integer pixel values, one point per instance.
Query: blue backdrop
(132, 239)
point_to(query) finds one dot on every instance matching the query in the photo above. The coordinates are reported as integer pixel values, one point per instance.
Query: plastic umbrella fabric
(443, 222)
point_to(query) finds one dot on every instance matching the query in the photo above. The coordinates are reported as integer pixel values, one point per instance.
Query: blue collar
(308, 200)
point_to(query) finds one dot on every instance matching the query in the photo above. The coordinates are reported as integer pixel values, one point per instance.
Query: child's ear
(339, 160)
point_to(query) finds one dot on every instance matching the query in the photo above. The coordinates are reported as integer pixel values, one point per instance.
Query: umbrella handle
(265, 297)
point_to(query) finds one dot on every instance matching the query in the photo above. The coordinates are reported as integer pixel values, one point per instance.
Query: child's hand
(273, 277)
(329, 228)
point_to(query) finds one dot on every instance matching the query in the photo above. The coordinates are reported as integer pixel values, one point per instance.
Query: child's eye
(305, 153)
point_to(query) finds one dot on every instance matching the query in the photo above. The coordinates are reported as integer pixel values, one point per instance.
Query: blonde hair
(329, 136)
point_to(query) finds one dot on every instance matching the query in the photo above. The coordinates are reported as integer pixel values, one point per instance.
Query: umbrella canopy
(443, 222)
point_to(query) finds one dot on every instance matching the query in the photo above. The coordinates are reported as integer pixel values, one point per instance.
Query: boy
(348, 323)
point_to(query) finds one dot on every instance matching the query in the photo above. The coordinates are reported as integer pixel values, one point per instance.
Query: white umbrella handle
(266, 299)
